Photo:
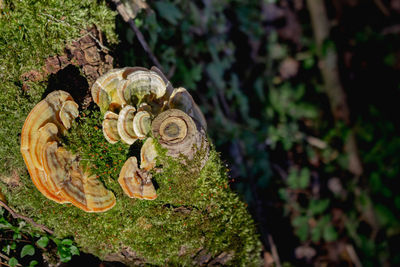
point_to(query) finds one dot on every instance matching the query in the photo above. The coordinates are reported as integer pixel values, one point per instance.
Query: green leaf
(283, 194)
(293, 179)
(67, 242)
(27, 250)
(168, 11)
(13, 262)
(318, 206)
(43, 242)
(16, 236)
(6, 249)
(308, 63)
(301, 225)
(33, 263)
(74, 250)
(64, 253)
(330, 233)
(385, 215)
(304, 179)
(316, 233)
(65, 256)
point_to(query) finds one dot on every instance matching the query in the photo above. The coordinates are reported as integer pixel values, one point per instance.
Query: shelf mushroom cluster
(55, 171)
(139, 103)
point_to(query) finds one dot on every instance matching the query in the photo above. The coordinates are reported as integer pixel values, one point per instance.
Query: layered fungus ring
(173, 130)
(137, 104)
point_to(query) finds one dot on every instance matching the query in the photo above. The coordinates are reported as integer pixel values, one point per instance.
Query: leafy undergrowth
(255, 69)
(22, 245)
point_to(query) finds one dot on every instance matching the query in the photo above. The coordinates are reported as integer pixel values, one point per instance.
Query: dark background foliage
(254, 68)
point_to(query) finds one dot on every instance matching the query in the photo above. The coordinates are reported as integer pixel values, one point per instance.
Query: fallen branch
(27, 219)
(330, 74)
(125, 16)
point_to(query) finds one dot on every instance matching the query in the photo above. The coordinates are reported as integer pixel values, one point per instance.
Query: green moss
(31, 31)
(194, 209)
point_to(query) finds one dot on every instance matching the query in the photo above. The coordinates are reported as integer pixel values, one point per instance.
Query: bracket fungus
(139, 103)
(56, 172)
(69, 111)
(181, 99)
(142, 124)
(177, 132)
(125, 125)
(110, 127)
(104, 90)
(136, 183)
(141, 84)
(148, 155)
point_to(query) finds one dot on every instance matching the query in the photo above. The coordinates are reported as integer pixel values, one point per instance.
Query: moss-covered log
(196, 218)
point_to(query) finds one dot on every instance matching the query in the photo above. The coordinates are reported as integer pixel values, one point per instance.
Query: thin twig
(353, 255)
(382, 7)
(18, 240)
(125, 16)
(5, 264)
(274, 251)
(19, 216)
(4, 257)
(88, 32)
(98, 42)
(7, 259)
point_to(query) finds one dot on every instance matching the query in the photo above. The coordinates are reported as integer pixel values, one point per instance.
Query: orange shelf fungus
(125, 125)
(110, 127)
(142, 124)
(149, 107)
(104, 90)
(68, 113)
(55, 171)
(136, 183)
(148, 155)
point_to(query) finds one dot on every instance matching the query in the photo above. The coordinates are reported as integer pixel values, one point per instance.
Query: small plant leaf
(168, 11)
(330, 233)
(27, 250)
(304, 179)
(33, 263)
(67, 242)
(43, 242)
(13, 262)
(318, 206)
(64, 253)
(74, 250)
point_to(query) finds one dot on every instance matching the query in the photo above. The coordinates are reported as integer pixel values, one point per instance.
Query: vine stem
(27, 219)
